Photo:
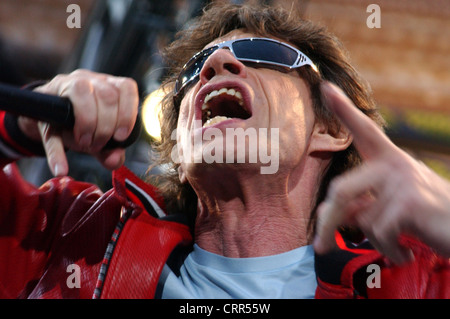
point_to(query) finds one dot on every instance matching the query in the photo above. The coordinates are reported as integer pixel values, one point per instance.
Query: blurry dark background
(406, 61)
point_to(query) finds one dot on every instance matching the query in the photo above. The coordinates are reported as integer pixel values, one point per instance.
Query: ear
(323, 139)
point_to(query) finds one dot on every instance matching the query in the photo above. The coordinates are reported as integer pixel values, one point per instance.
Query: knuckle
(128, 85)
(80, 72)
(57, 79)
(81, 86)
(51, 87)
(107, 94)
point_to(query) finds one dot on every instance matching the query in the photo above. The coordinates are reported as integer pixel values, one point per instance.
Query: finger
(128, 106)
(383, 221)
(54, 150)
(81, 93)
(324, 237)
(391, 249)
(112, 159)
(78, 89)
(107, 99)
(343, 196)
(368, 138)
(382, 225)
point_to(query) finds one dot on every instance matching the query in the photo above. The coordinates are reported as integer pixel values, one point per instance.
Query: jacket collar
(128, 185)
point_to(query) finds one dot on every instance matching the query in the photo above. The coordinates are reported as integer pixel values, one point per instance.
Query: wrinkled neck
(251, 215)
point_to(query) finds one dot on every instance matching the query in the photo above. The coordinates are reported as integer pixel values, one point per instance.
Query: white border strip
(155, 206)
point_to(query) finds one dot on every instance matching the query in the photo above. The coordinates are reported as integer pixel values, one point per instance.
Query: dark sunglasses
(262, 51)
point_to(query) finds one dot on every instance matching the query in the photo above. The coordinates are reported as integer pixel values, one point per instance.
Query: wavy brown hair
(323, 48)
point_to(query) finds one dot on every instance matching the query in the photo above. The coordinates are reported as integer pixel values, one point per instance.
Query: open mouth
(221, 105)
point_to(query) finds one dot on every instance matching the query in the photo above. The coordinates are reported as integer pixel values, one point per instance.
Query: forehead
(233, 35)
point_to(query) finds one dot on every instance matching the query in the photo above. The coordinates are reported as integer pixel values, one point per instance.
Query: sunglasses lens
(193, 68)
(265, 51)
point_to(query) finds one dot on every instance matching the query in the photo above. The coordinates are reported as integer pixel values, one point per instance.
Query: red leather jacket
(120, 240)
(119, 246)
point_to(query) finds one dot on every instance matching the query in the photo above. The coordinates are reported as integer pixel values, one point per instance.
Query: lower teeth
(215, 120)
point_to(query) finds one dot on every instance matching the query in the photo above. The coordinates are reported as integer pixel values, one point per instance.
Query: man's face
(234, 105)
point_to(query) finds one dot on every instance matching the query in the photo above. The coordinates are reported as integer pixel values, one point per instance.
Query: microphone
(55, 110)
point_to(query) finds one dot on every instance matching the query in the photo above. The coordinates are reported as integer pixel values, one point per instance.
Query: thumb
(54, 150)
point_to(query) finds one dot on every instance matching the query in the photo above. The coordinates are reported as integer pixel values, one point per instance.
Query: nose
(221, 62)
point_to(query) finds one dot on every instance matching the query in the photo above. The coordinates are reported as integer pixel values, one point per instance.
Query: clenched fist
(105, 107)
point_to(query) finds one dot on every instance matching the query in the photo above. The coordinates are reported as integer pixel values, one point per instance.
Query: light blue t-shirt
(206, 275)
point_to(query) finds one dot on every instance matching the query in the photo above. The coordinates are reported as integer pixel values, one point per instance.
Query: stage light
(151, 109)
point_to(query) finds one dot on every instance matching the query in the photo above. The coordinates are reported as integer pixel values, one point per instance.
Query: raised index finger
(368, 138)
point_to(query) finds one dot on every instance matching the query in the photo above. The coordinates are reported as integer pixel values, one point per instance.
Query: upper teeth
(215, 93)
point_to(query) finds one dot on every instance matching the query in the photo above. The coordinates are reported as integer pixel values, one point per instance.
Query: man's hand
(389, 195)
(104, 106)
